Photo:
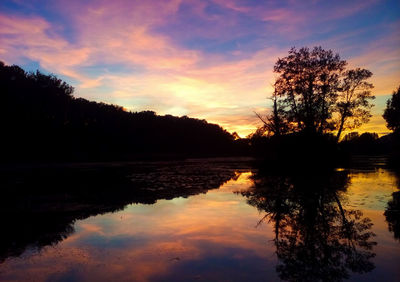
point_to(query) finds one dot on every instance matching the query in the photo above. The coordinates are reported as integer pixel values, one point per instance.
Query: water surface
(200, 221)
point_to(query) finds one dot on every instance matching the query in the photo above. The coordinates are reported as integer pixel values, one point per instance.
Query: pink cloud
(173, 78)
(233, 5)
(33, 38)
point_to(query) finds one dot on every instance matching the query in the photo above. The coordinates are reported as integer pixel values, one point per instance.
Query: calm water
(200, 221)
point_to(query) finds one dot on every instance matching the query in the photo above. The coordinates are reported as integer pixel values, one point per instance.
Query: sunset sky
(208, 59)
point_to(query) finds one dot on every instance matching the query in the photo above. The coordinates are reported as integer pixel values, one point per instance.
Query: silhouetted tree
(274, 123)
(314, 94)
(353, 106)
(392, 117)
(307, 87)
(392, 111)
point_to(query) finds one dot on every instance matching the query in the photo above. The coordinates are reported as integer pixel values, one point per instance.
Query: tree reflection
(392, 212)
(39, 206)
(316, 238)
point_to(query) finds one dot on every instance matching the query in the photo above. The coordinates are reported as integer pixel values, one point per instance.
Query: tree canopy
(392, 111)
(315, 93)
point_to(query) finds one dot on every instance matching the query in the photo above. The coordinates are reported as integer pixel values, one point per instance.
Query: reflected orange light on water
(144, 242)
(210, 236)
(371, 189)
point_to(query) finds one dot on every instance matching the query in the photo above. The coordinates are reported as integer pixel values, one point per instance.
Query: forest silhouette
(41, 120)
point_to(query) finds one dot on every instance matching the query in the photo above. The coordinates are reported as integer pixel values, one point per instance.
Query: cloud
(205, 59)
(33, 38)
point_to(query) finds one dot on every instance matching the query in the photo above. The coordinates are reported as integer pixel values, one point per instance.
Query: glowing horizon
(209, 59)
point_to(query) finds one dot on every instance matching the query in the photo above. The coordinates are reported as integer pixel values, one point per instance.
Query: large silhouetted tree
(315, 94)
(307, 87)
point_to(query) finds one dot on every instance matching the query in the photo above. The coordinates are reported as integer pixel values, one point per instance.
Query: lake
(199, 220)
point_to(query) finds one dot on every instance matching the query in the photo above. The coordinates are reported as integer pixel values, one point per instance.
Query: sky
(210, 59)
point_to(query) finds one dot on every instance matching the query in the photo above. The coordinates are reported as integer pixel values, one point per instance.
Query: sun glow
(210, 60)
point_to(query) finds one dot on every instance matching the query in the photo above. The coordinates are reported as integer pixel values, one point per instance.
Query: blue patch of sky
(10, 7)
(387, 10)
(196, 32)
(32, 66)
(213, 46)
(356, 30)
(212, 9)
(59, 20)
(380, 103)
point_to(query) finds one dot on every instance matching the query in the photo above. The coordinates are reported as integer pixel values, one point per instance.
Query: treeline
(298, 150)
(367, 144)
(42, 120)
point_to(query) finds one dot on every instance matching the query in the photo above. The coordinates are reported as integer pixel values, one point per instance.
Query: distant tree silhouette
(315, 94)
(367, 143)
(349, 137)
(392, 111)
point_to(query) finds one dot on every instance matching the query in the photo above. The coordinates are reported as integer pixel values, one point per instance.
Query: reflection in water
(207, 237)
(316, 238)
(392, 212)
(39, 207)
(181, 229)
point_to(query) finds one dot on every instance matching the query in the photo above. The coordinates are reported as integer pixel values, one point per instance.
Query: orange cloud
(165, 76)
